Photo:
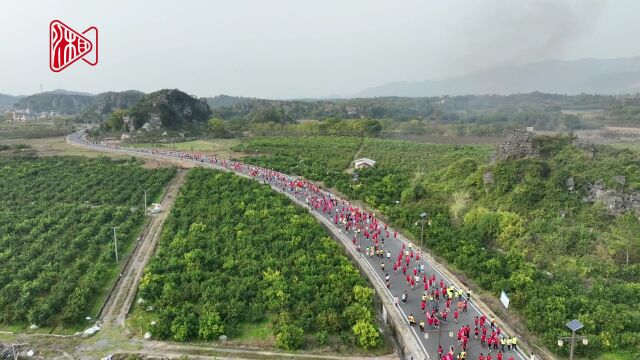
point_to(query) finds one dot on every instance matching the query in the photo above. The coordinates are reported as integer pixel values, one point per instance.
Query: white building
(22, 115)
(364, 163)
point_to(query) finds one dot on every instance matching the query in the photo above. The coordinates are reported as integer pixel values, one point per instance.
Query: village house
(22, 115)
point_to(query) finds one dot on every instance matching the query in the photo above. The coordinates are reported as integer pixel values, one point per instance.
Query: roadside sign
(504, 299)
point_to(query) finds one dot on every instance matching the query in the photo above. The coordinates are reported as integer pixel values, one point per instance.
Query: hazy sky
(302, 48)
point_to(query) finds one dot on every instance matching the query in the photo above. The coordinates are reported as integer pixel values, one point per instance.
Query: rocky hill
(226, 100)
(170, 109)
(107, 102)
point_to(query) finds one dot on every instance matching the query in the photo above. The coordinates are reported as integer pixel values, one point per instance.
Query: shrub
(289, 337)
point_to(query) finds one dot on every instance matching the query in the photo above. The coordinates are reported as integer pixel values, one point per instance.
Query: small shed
(364, 163)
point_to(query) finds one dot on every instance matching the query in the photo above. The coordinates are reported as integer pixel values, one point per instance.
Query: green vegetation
(115, 121)
(320, 158)
(105, 103)
(56, 245)
(33, 130)
(63, 103)
(183, 118)
(220, 147)
(477, 115)
(55, 146)
(234, 252)
(14, 147)
(525, 232)
(331, 126)
(165, 115)
(86, 107)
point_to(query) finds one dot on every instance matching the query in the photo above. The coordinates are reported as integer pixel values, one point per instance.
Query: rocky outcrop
(616, 202)
(107, 102)
(518, 145)
(170, 109)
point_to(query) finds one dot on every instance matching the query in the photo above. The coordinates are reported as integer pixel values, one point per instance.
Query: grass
(23, 328)
(249, 334)
(33, 130)
(255, 331)
(138, 319)
(57, 146)
(613, 356)
(633, 146)
(112, 274)
(221, 147)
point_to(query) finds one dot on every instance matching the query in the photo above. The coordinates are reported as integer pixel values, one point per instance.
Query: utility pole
(573, 344)
(115, 242)
(573, 325)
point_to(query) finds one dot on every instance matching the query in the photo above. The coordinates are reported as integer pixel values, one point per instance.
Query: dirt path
(119, 303)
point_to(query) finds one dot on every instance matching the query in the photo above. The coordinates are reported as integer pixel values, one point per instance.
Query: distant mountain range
(602, 76)
(61, 102)
(8, 100)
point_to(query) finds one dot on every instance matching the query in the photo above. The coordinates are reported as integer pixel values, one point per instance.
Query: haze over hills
(602, 76)
(8, 100)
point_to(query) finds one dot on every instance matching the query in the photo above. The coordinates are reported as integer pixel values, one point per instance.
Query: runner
(412, 320)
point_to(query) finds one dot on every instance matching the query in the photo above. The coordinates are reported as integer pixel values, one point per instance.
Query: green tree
(322, 337)
(356, 312)
(266, 114)
(115, 121)
(366, 334)
(184, 326)
(363, 295)
(372, 128)
(211, 326)
(217, 127)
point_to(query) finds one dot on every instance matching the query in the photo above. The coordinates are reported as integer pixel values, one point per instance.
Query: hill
(67, 92)
(8, 100)
(169, 108)
(226, 100)
(602, 76)
(61, 102)
(107, 102)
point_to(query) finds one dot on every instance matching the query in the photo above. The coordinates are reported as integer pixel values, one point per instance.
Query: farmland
(56, 242)
(234, 253)
(558, 256)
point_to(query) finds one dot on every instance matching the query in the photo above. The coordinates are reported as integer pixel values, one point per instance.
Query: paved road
(353, 222)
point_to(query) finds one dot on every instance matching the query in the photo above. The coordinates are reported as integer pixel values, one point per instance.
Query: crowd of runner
(439, 302)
